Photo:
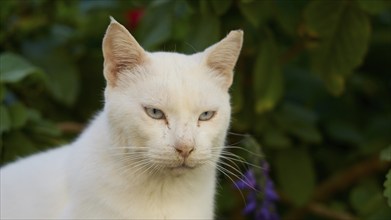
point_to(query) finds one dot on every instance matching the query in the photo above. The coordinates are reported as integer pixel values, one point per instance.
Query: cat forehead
(174, 61)
(172, 79)
(175, 68)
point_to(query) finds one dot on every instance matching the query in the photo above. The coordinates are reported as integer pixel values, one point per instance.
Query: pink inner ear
(222, 56)
(121, 52)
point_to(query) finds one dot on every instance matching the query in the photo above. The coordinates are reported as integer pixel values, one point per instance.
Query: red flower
(133, 18)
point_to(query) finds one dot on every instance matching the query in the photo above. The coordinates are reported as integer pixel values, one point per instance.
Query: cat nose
(184, 150)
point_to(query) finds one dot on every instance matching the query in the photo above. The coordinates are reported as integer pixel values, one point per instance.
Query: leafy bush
(312, 87)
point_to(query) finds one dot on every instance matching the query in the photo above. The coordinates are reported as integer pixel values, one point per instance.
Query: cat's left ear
(222, 56)
(121, 52)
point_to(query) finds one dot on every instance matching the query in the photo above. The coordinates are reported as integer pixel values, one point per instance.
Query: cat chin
(181, 170)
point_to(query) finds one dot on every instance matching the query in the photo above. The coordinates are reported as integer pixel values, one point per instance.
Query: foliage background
(312, 87)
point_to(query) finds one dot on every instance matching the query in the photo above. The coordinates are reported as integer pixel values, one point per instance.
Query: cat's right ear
(222, 56)
(121, 52)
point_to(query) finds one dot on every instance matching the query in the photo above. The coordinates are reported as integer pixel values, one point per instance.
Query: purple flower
(251, 204)
(248, 181)
(270, 192)
(260, 200)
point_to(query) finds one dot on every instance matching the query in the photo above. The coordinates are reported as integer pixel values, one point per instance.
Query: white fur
(124, 165)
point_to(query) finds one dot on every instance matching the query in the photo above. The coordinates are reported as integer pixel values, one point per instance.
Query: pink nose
(184, 150)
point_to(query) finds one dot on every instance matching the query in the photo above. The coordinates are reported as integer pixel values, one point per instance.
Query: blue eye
(155, 113)
(206, 116)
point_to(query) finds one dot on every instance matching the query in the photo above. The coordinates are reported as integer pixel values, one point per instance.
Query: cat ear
(120, 51)
(222, 56)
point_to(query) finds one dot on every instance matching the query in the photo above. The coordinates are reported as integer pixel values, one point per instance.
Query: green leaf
(386, 154)
(5, 119)
(387, 187)
(276, 139)
(3, 91)
(268, 79)
(63, 78)
(34, 115)
(366, 198)
(343, 131)
(18, 115)
(206, 31)
(156, 26)
(223, 203)
(181, 27)
(295, 174)
(298, 121)
(237, 93)
(14, 68)
(61, 75)
(221, 7)
(290, 14)
(17, 145)
(374, 6)
(45, 128)
(256, 12)
(254, 150)
(343, 31)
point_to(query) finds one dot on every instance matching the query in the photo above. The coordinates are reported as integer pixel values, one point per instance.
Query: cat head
(169, 109)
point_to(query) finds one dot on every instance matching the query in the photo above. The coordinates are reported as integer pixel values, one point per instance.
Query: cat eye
(155, 113)
(206, 116)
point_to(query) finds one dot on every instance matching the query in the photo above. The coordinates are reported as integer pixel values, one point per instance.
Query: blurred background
(311, 92)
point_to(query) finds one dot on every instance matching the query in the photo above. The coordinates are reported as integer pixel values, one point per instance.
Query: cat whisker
(149, 167)
(191, 46)
(237, 134)
(241, 161)
(140, 164)
(238, 176)
(244, 149)
(219, 168)
(227, 159)
(228, 154)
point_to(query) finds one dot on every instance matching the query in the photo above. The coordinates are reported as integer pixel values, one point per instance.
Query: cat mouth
(181, 169)
(183, 166)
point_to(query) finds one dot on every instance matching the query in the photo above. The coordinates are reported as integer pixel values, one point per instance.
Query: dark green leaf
(343, 31)
(63, 83)
(221, 7)
(256, 12)
(276, 139)
(237, 93)
(156, 27)
(181, 27)
(386, 154)
(17, 144)
(222, 202)
(61, 74)
(268, 80)
(344, 132)
(45, 128)
(34, 115)
(374, 6)
(18, 115)
(14, 68)
(290, 14)
(387, 187)
(3, 91)
(366, 198)
(206, 31)
(295, 174)
(5, 119)
(299, 121)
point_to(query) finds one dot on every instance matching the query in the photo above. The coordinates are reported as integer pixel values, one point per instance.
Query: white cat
(150, 154)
